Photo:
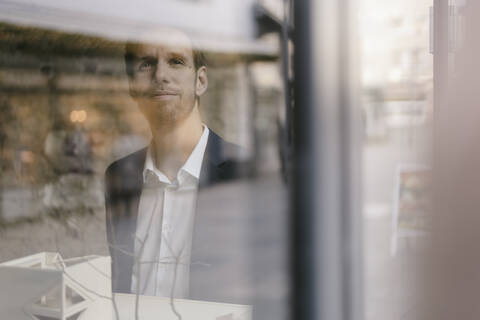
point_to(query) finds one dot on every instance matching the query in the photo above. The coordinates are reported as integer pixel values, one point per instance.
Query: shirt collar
(192, 166)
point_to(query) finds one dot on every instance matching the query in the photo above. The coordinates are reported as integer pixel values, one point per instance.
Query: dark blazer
(124, 182)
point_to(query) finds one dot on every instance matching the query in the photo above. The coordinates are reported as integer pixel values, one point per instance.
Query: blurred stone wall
(65, 114)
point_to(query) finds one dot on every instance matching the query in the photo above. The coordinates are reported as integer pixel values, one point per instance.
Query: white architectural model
(45, 286)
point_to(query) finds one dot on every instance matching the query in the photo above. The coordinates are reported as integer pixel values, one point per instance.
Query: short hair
(199, 59)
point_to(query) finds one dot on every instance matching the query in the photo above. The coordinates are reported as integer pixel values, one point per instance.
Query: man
(151, 195)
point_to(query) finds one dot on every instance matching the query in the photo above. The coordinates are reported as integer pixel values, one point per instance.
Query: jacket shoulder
(129, 162)
(125, 174)
(220, 150)
(230, 161)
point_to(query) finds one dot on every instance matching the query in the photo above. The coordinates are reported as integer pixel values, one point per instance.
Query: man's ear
(202, 81)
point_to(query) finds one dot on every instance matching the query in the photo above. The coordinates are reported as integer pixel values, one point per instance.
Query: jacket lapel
(125, 184)
(215, 166)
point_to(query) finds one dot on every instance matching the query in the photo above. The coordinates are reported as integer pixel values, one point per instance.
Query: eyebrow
(146, 57)
(177, 54)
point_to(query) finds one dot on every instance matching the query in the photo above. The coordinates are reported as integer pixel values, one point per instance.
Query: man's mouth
(164, 93)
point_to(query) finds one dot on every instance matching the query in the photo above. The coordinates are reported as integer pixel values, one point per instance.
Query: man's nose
(161, 72)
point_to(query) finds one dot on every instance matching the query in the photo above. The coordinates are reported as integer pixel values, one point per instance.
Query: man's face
(164, 82)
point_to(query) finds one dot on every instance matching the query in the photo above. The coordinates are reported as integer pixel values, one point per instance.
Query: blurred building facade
(398, 64)
(66, 109)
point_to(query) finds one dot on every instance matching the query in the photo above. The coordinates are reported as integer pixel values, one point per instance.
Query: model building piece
(153, 308)
(44, 286)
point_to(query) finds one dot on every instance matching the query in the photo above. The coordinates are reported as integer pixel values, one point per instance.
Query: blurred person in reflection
(151, 195)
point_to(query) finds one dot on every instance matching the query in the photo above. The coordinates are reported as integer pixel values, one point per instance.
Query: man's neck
(172, 146)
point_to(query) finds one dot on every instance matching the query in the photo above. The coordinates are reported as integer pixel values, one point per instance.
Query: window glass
(397, 98)
(143, 152)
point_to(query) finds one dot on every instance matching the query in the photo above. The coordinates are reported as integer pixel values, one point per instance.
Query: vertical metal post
(326, 207)
(303, 195)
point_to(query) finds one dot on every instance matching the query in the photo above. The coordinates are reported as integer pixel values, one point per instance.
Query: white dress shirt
(163, 238)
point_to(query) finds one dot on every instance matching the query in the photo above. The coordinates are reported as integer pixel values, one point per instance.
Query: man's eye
(176, 61)
(145, 66)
